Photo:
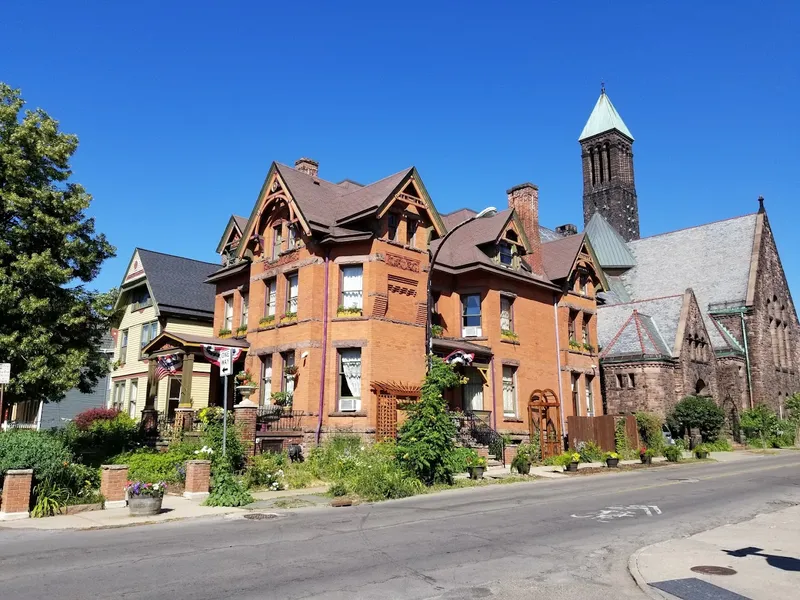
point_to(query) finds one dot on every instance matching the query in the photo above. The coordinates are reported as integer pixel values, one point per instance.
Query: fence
(602, 431)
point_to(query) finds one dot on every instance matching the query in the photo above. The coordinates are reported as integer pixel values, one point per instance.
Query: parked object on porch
(646, 455)
(701, 451)
(673, 453)
(476, 465)
(612, 459)
(144, 499)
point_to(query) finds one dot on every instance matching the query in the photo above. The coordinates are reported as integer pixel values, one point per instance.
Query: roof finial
(602, 87)
(761, 204)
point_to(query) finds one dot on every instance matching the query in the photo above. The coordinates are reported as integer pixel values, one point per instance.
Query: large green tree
(50, 323)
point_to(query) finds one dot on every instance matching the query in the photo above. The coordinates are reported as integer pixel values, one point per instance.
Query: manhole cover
(260, 516)
(712, 570)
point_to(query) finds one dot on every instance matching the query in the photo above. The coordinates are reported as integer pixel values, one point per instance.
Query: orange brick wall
(113, 479)
(198, 476)
(17, 491)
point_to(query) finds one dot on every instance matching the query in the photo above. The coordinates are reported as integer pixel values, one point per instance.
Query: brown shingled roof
(558, 256)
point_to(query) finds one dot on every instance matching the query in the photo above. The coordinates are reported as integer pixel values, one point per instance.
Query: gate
(391, 396)
(545, 420)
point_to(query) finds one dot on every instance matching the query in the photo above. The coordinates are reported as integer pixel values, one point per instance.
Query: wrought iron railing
(277, 418)
(474, 428)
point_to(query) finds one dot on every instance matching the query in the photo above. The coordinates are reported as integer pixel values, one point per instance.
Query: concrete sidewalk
(763, 555)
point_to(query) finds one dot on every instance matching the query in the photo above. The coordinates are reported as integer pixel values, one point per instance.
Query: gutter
(324, 346)
(747, 360)
(558, 366)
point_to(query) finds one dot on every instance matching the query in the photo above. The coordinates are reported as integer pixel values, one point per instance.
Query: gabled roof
(609, 246)
(235, 223)
(559, 256)
(604, 118)
(178, 285)
(452, 219)
(646, 328)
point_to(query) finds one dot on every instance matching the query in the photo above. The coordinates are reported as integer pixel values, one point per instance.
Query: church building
(700, 311)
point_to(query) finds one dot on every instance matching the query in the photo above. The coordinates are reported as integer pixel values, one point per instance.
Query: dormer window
(141, 299)
(506, 253)
(277, 241)
(392, 226)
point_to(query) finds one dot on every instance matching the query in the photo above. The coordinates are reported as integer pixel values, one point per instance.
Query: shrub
(673, 453)
(425, 443)
(562, 460)
(720, 445)
(530, 452)
(649, 425)
(102, 438)
(86, 419)
(49, 499)
(337, 489)
(227, 490)
(782, 434)
(758, 423)
(335, 457)
(700, 412)
(298, 476)
(699, 449)
(43, 452)
(234, 449)
(462, 457)
(265, 471)
(589, 451)
(611, 456)
(151, 466)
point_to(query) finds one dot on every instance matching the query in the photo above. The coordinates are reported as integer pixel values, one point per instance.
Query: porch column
(186, 381)
(149, 413)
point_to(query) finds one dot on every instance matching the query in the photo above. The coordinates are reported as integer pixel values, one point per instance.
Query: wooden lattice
(545, 419)
(386, 427)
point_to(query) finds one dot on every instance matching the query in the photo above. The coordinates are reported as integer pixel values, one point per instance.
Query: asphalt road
(546, 539)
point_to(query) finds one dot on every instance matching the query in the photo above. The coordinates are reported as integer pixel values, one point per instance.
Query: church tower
(607, 154)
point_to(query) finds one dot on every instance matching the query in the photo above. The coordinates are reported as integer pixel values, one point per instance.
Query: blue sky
(181, 106)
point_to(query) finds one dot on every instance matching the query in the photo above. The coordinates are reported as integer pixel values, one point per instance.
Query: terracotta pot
(144, 506)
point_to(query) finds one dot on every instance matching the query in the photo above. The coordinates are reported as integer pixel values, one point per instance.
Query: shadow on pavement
(785, 563)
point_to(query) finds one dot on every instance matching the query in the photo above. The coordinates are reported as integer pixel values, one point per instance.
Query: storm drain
(713, 570)
(260, 516)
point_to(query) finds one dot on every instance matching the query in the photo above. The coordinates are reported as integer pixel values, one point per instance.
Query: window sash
(291, 293)
(266, 380)
(292, 236)
(473, 391)
(509, 391)
(471, 310)
(350, 375)
(132, 397)
(352, 286)
(506, 314)
(123, 347)
(245, 309)
(270, 297)
(393, 222)
(506, 254)
(575, 385)
(589, 396)
(411, 231)
(277, 241)
(228, 313)
(287, 383)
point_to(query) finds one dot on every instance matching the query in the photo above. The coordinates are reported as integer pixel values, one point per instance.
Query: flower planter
(476, 472)
(144, 506)
(572, 467)
(701, 454)
(647, 460)
(612, 463)
(524, 468)
(245, 391)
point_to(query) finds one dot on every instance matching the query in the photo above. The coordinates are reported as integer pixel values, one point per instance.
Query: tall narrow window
(589, 396)
(471, 315)
(436, 317)
(291, 229)
(608, 162)
(576, 402)
(591, 164)
(392, 221)
(505, 253)
(287, 381)
(620, 381)
(349, 379)
(602, 166)
(509, 391)
(411, 232)
(227, 315)
(277, 241)
(291, 294)
(631, 380)
(266, 380)
(245, 310)
(473, 391)
(573, 316)
(506, 314)
(134, 392)
(149, 333)
(270, 287)
(352, 286)
(119, 395)
(586, 322)
(123, 347)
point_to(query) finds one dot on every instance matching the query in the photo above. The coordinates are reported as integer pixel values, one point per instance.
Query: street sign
(225, 362)
(5, 373)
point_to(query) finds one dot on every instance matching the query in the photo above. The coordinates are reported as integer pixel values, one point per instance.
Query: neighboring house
(330, 281)
(704, 310)
(160, 292)
(47, 415)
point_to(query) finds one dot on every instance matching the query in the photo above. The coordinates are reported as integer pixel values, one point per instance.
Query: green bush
(719, 445)
(336, 457)
(101, 439)
(462, 457)
(151, 466)
(649, 425)
(234, 448)
(782, 434)
(337, 489)
(227, 489)
(425, 442)
(758, 425)
(673, 453)
(563, 459)
(700, 412)
(590, 451)
(265, 471)
(43, 452)
(298, 476)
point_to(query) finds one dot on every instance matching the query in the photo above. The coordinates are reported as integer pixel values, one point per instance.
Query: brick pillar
(16, 495)
(245, 418)
(509, 452)
(198, 479)
(113, 479)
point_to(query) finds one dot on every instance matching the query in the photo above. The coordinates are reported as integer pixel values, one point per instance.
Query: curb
(633, 569)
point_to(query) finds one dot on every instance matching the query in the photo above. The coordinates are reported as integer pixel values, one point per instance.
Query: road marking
(609, 513)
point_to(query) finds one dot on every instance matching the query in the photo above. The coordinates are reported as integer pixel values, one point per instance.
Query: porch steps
(493, 462)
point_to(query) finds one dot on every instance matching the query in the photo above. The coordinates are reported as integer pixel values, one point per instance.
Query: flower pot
(573, 467)
(612, 462)
(143, 506)
(476, 472)
(523, 468)
(701, 454)
(245, 391)
(647, 460)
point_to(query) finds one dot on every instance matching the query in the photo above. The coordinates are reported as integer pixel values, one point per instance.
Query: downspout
(324, 347)
(558, 366)
(494, 397)
(747, 360)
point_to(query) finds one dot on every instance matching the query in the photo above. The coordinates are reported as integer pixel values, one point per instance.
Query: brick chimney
(567, 229)
(307, 166)
(524, 199)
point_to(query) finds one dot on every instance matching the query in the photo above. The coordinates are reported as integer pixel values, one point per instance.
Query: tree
(758, 423)
(700, 412)
(793, 408)
(51, 323)
(426, 440)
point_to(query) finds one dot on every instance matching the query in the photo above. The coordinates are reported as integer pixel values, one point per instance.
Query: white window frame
(291, 237)
(123, 346)
(266, 380)
(292, 300)
(133, 393)
(118, 395)
(287, 360)
(227, 312)
(575, 387)
(349, 403)
(509, 391)
(270, 296)
(145, 339)
(170, 398)
(588, 380)
(245, 309)
(510, 323)
(471, 330)
(352, 295)
(277, 240)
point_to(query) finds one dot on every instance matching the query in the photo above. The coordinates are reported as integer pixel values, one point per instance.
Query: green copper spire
(604, 118)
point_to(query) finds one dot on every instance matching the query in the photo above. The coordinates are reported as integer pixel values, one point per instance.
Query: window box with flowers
(241, 330)
(144, 499)
(224, 333)
(588, 347)
(266, 321)
(575, 344)
(343, 311)
(509, 335)
(289, 317)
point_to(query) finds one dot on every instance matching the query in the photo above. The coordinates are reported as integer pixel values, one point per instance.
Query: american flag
(168, 365)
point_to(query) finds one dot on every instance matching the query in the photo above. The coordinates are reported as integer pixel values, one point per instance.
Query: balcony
(274, 419)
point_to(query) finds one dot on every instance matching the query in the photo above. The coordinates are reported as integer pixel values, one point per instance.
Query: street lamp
(489, 211)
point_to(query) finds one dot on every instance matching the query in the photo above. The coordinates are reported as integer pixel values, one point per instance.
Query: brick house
(330, 281)
(704, 310)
